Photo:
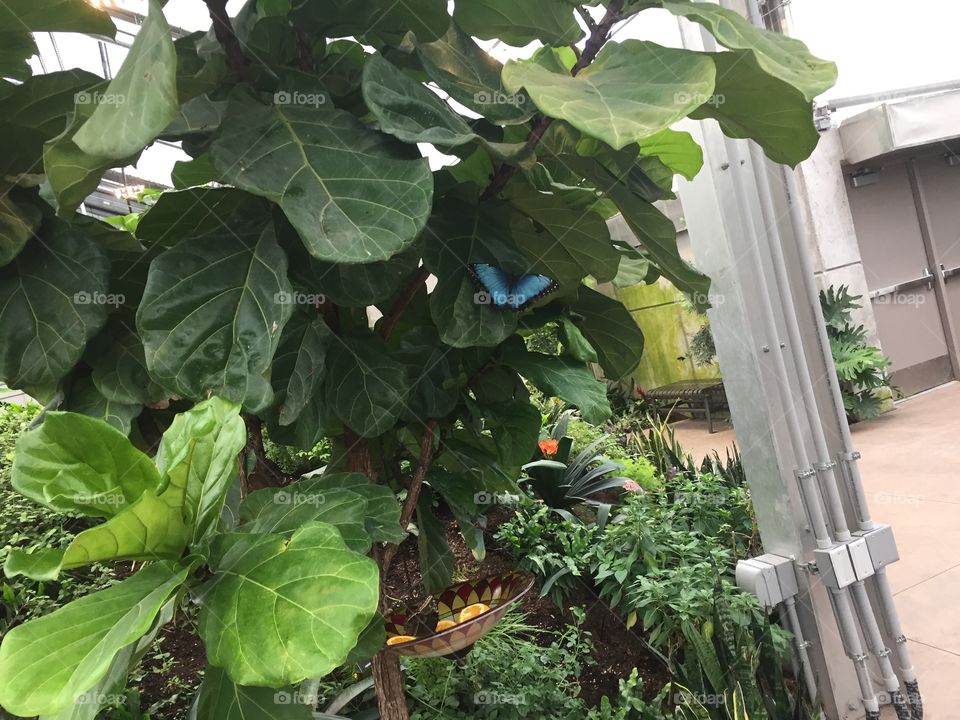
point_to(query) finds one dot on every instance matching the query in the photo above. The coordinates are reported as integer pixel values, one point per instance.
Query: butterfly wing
(528, 289)
(494, 281)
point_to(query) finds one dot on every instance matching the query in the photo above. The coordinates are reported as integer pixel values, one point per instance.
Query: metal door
(899, 275)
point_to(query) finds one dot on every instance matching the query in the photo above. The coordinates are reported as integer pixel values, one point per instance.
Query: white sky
(878, 45)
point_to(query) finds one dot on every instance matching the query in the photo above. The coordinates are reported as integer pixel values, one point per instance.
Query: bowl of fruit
(452, 620)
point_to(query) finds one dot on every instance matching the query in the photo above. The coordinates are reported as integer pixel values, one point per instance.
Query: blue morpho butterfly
(508, 291)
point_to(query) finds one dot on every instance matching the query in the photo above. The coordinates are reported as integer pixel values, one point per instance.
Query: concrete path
(911, 470)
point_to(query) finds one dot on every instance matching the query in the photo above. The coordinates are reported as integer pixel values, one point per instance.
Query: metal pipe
(874, 640)
(801, 645)
(853, 100)
(851, 643)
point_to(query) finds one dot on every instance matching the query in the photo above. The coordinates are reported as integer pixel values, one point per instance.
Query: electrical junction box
(835, 566)
(881, 545)
(770, 578)
(860, 558)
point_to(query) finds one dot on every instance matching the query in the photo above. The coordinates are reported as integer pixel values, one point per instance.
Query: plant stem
(599, 33)
(223, 29)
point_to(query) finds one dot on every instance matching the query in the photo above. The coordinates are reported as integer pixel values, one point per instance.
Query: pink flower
(631, 486)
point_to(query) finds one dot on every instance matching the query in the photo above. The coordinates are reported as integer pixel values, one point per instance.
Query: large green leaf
(49, 306)
(411, 112)
(632, 90)
(572, 381)
(55, 16)
(280, 609)
(518, 22)
(284, 511)
(219, 698)
(431, 369)
(18, 223)
(749, 103)
(198, 457)
(212, 314)
(567, 244)
(383, 510)
(76, 464)
(298, 367)
(436, 559)
(120, 368)
(461, 68)
(141, 100)
(83, 397)
(86, 634)
(365, 387)
(352, 285)
(16, 49)
(198, 212)
(675, 149)
(515, 426)
(311, 161)
(340, 18)
(611, 330)
(777, 54)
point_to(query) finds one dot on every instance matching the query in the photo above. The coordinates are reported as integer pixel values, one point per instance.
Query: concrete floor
(910, 469)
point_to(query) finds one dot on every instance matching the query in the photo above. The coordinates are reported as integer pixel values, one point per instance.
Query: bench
(698, 396)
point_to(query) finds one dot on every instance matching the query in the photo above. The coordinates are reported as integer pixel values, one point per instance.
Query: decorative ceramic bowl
(497, 591)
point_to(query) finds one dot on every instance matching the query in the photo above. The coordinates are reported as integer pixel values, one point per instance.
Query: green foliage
(703, 350)
(509, 674)
(254, 293)
(861, 368)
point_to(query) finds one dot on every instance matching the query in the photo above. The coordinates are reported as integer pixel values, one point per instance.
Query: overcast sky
(878, 45)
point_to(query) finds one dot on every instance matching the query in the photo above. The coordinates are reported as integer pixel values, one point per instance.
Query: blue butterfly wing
(528, 288)
(494, 281)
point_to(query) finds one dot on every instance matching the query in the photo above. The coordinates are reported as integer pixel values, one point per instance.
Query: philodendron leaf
(49, 305)
(18, 223)
(353, 194)
(749, 103)
(76, 464)
(212, 313)
(675, 149)
(283, 511)
(518, 22)
(564, 378)
(365, 387)
(411, 112)
(87, 634)
(198, 457)
(777, 54)
(612, 331)
(141, 100)
(311, 597)
(219, 698)
(461, 68)
(632, 90)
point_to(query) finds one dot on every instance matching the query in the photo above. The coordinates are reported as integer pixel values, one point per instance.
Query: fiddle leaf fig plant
(348, 256)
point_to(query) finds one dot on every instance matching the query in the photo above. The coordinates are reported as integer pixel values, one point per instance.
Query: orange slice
(397, 639)
(445, 625)
(472, 611)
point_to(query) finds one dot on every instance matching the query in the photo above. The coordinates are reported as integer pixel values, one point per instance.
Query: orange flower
(548, 447)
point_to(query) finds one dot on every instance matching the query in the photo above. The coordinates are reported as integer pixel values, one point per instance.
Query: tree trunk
(388, 682)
